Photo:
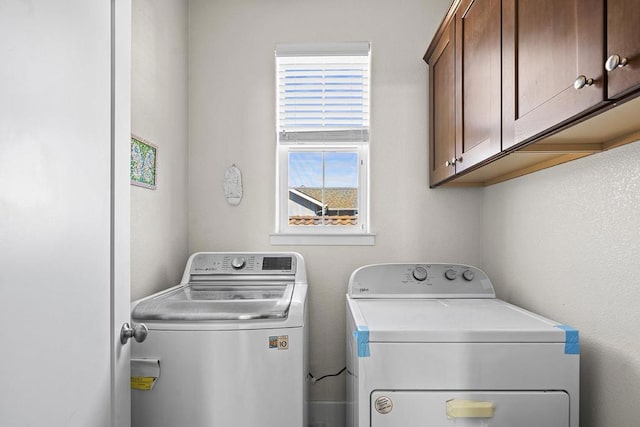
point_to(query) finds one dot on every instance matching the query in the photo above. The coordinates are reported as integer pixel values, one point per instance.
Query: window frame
(285, 234)
(283, 191)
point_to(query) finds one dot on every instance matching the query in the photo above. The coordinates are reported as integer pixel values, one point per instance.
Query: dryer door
(469, 409)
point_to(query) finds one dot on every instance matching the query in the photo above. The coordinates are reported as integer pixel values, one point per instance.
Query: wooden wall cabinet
(465, 79)
(548, 47)
(478, 82)
(442, 106)
(530, 85)
(623, 47)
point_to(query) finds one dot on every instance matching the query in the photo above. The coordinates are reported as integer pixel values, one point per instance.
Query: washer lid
(451, 320)
(218, 301)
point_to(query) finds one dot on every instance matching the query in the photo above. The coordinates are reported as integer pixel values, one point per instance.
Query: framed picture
(144, 158)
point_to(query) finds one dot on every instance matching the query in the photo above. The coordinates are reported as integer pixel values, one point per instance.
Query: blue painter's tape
(571, 339)
(362, 338)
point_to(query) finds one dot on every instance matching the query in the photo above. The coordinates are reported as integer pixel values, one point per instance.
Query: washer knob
(468, 275)
(238, 262)
(420, 274)
(450, 274)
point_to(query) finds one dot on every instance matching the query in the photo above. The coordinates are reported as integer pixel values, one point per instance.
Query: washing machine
(226, 347)
(431, 345)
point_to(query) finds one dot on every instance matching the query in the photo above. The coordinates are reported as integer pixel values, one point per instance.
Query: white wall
(232, 120)
(159, 115)
(565, 242)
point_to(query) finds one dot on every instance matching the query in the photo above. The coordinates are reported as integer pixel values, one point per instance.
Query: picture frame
(144, 161)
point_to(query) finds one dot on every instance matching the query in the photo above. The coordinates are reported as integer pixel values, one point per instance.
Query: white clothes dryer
(226, 347)
(430, 345)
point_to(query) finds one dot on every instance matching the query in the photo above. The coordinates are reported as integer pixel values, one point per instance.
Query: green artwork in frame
(144, 157)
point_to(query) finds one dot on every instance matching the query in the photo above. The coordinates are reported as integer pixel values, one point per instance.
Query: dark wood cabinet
(442, 106)
(552, 64)
(623, 47)
(521, 85)
(465, 89)
(478, 82)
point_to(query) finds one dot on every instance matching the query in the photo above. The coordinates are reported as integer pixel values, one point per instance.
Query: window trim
(361, 239)
(285, 234)
(322, 234)
(282, 210)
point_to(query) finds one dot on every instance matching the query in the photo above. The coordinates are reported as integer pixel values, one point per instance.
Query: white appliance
(430, 345)
(226, 347)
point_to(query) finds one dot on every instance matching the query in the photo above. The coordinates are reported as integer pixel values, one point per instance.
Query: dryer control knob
(450, 274)
(420, 274)
(468, 275)
(238, 262)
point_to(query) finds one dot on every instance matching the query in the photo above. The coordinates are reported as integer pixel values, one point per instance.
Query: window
(322, 124)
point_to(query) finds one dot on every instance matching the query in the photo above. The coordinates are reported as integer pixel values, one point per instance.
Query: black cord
(315, 380)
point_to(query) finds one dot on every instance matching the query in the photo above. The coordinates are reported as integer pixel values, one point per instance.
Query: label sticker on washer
(143, 383)
(383, 405)
(280, 342)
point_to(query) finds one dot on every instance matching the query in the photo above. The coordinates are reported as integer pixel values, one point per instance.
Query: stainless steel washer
(228, 345)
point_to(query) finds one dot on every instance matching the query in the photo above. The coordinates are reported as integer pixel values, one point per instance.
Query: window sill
(294, 239)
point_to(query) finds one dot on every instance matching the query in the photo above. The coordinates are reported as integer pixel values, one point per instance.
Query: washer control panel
(422, 280)
(203, 264)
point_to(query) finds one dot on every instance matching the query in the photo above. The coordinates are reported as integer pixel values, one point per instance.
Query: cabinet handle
(615, 61)
(582, 81)
(453, 161)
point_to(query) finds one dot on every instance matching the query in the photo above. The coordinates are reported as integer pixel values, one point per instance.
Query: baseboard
(327, 414)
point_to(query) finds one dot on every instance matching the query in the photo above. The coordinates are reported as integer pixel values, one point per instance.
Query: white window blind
(323, 93)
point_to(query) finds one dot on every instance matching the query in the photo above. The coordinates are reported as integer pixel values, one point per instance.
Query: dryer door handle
(139, 333)
(460, 408)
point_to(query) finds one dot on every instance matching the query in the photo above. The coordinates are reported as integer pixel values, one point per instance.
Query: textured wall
(159, 114)
(232, 120)
(565, 242)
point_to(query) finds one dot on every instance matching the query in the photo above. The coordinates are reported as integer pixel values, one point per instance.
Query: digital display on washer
(276, 263)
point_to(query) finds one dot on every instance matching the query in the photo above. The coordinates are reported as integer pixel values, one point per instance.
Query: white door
(64, 212)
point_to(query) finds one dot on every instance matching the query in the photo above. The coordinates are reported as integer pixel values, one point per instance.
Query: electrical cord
(315, 380)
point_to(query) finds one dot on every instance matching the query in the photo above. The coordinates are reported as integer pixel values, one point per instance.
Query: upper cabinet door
(623, 47)
(552, 64)
(442, 107)
(478, 81)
